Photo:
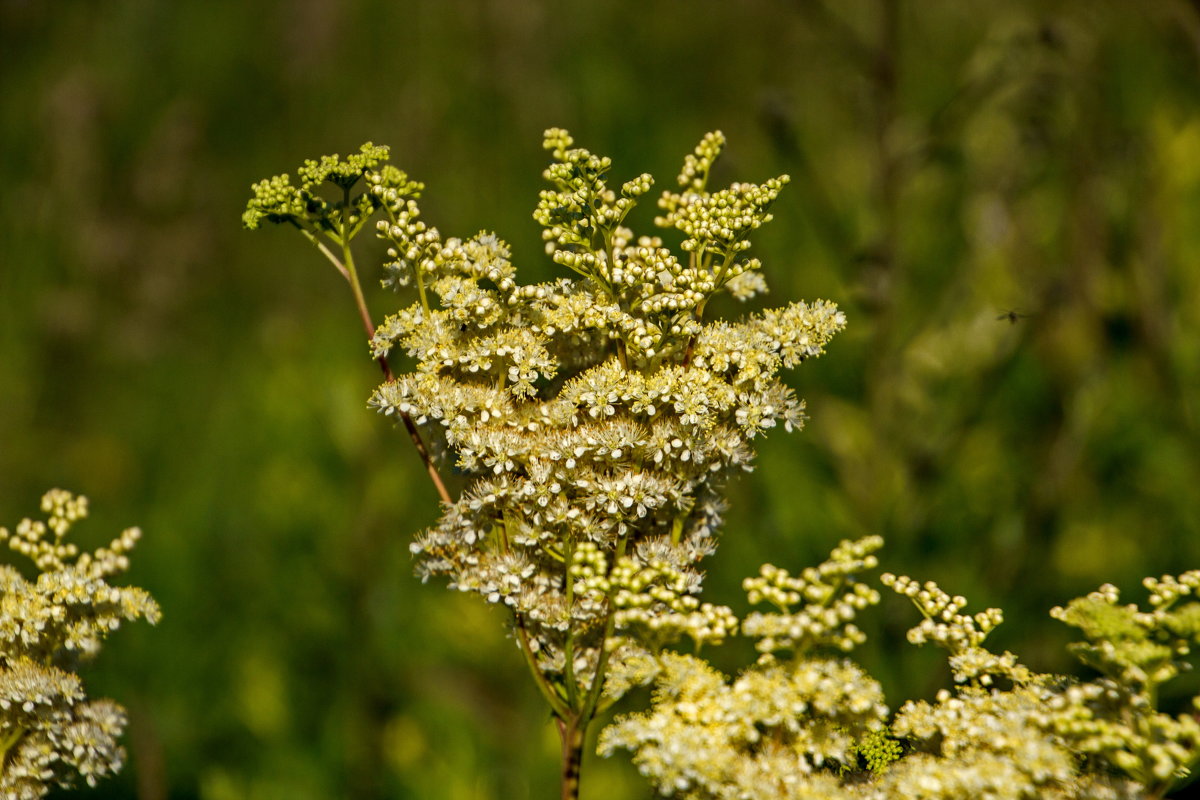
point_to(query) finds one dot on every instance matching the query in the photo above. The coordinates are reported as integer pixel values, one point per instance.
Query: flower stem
(569, 648)
(7, 743)
(345, 266)
(592, 701)
(573, 732)
(548, 693)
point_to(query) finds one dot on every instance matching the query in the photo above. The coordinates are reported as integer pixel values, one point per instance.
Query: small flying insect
(1012, 316)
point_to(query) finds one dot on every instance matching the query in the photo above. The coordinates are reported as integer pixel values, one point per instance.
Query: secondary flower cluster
(780, 730)
(596, 417)
(831, 595)
(813, 727)
(1136, 652)
(278, 200)
(784, 728)
(50, 732)
(943, 624)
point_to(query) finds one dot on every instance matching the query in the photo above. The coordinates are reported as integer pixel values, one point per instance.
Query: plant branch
(7, 744)
(345, 266)
(325, 251)
(569, 648)
(551, 697)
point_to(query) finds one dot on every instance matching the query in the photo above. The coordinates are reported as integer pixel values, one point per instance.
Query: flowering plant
(803, 723)
(50, 731)
(596, 420)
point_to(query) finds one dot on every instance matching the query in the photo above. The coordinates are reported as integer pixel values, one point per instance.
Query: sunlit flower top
(597, 415)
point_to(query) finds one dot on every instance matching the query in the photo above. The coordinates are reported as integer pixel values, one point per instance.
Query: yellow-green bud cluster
(51, 734)
(1137, 648)
(1104, 720)
(659, 601)
(878, 749)
(342, 172)
(696, 165)
(943, 624)
(719, 223)
(1137, 651)
(830, 597)
(337, 219)
(655, 601)
(1166, 590)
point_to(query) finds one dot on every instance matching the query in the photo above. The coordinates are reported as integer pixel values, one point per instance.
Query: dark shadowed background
(1002, 197)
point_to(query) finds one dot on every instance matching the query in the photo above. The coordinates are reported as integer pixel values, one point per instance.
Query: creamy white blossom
(51, 734)
(597, 418)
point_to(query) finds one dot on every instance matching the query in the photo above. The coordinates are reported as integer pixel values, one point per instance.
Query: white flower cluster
(764, 735)
(1004, 732)
(49, 731)
(596, 418)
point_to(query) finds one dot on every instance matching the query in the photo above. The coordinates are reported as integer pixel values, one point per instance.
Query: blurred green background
(1003, 198)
